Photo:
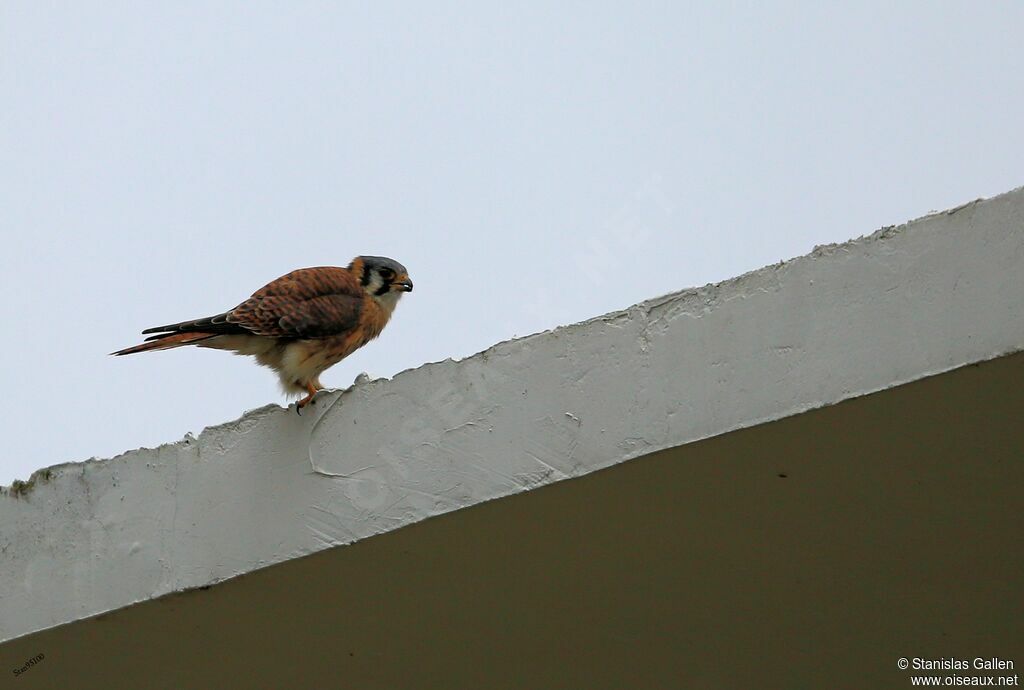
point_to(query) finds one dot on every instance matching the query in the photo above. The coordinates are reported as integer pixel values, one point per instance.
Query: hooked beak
(404, 284)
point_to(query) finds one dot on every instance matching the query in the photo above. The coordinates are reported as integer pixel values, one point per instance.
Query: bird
(300, 324)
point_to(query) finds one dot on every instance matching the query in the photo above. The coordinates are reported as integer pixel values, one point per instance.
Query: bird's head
(383, 279)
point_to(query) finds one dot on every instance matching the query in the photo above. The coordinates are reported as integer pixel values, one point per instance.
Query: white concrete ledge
(906, 302)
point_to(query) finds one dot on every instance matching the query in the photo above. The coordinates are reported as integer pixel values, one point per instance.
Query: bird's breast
(306, 359)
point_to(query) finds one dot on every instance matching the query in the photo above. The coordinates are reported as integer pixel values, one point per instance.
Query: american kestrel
(300, 324)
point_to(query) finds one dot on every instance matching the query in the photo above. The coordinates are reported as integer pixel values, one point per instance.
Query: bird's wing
(307, 303)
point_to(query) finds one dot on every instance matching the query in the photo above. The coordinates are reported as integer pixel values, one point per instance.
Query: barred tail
(166, 342)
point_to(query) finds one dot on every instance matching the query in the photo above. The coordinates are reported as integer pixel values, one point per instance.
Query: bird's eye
(387, 273)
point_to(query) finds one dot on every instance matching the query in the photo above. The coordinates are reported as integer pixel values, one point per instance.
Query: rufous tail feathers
(166, 342)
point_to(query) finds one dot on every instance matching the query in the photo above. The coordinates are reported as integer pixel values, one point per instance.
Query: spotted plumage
(300, 324)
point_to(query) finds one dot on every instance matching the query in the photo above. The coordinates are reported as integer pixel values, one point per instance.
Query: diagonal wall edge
(846, 320)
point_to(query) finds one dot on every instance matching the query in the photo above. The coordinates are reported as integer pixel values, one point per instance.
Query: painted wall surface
(845, 320)
(808, 552)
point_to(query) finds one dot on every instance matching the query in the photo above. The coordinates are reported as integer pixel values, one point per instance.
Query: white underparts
(388, 301)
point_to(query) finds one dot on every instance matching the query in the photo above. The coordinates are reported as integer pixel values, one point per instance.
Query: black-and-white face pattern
(384, 278)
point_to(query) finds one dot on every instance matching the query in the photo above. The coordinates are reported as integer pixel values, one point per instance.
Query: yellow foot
(308, 399)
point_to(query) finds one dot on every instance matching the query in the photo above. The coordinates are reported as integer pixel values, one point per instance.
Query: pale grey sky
(532, 164)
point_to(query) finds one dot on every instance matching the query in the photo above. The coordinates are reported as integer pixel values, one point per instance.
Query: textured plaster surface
(906, 302)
